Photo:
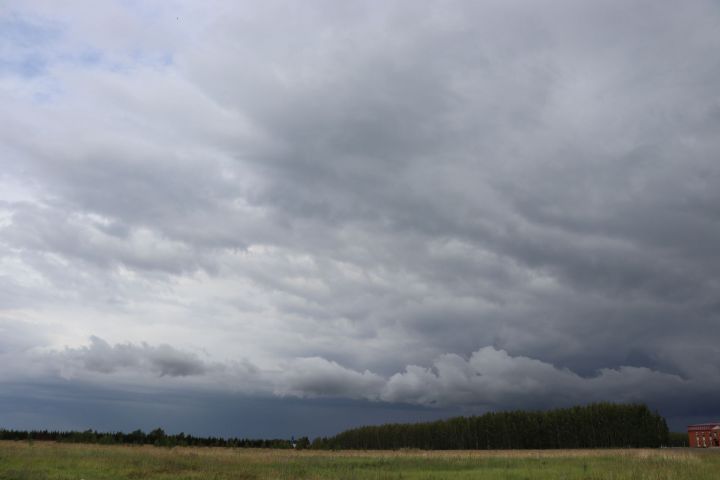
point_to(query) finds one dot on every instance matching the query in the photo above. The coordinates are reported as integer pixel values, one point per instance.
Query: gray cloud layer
(99, 356)
(489, 378)
(461, 203)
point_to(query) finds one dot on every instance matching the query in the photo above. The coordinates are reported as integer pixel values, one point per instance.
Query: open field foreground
(40, 460)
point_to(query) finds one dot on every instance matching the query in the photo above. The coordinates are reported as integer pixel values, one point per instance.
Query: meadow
(49, 460)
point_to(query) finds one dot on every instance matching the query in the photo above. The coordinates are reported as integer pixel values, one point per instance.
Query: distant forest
(599, 425)
(157, 437)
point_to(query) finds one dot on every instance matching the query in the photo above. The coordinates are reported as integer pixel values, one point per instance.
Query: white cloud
(492, 378)
(316, 376)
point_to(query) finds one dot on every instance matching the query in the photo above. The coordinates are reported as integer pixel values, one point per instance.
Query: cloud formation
(488, 379)
(163, 360)
(457, 203)
(492, 377)
(315, 376)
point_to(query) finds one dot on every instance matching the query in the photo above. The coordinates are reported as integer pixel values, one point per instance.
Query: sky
(283, 218)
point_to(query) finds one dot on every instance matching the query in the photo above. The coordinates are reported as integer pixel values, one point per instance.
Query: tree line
(157, 437)
(599, 425)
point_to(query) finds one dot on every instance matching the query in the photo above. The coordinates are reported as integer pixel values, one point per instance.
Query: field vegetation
(50, 460)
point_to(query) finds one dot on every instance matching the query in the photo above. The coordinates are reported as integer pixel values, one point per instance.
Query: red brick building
(704, 435)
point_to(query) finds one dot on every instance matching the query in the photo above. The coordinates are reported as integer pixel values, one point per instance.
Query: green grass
(40, 461)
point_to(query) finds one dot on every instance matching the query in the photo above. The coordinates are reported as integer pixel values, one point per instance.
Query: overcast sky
(273, 218)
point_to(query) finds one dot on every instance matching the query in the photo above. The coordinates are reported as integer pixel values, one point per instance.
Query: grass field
(41, 460)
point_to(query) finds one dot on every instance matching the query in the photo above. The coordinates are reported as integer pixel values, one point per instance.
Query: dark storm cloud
(477, 204)
(163, 360)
